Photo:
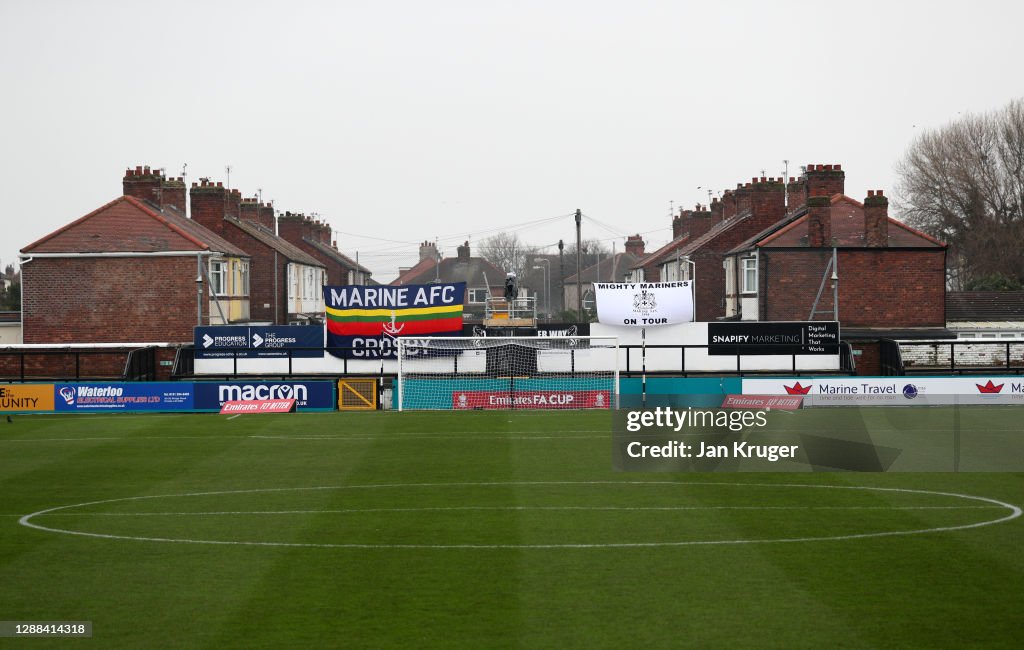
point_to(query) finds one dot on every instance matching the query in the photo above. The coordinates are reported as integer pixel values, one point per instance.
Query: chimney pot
(871, 193)
(838, 168)
(138, 170)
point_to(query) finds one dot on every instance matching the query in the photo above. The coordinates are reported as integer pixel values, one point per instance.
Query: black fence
(955, 357)
(184, 365)
(113, 364)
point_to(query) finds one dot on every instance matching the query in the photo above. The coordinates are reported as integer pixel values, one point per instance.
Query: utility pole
(579, 269)
(561, 273)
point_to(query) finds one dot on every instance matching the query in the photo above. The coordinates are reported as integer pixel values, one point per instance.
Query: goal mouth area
(539, 372)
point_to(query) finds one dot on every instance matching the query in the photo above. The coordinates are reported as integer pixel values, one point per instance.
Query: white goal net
(535, 372)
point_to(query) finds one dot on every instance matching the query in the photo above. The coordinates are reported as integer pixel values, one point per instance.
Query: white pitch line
(497, 508)
(235, 416)
(1015, 512)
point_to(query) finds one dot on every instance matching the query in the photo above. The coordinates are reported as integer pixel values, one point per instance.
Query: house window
(588, 300)
(241, 280)
(244, 286)
(749, 275)
(478, 295)
(218, 277)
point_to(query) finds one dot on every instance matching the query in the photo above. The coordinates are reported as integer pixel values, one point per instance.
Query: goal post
(515, 372)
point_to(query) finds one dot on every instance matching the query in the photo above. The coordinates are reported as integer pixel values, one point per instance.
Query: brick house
(662, 265)
(614, 268)
(286, 283)
(481, 277)
(127, 271)
(889, 279)
(314, 237)
(887, 274)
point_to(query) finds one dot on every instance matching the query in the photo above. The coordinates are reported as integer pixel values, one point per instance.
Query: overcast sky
(404, 121)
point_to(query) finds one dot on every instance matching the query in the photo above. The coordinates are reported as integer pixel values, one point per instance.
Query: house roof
(453, 269)
(982, 306)
(847, 227)
(337, 255)
(610, 269)
(128, 225)
(262, 234)
(663, 253)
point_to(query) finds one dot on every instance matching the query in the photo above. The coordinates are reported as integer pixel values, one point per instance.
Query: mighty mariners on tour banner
(644, 304)
(363, 322)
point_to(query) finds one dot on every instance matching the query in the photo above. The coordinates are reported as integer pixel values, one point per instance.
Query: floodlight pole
(579, 269)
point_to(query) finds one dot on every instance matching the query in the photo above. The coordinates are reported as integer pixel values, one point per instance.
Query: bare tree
(507, 252)
(964, 184)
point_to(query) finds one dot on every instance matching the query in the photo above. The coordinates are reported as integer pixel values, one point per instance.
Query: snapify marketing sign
(245, 342)
(364, 322)
(644, 304)
(767, 338)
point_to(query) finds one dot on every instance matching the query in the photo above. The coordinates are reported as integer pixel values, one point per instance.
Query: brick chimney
(428, 251)
(819, 222)
(729, 204)
(325, 233)
(699, 221)
(744, 197)
(143, 184)
(250, 210)
(210, 204)
(876, 220)
(292, 227)
(172, 194)
(716, 211)
(233, 204)
(768, 200)
(635, 245)
(463, 252)
(797, 192)
(825, 180)
(266, 216)
(678, 225)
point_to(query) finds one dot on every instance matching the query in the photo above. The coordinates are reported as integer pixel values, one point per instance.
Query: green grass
(377, 555)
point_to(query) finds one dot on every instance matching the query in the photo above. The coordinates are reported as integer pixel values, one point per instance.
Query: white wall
(668, 360)
(698, 360)
(10, 333)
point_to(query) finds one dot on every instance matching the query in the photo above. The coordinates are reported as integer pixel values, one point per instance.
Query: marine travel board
(819, 337)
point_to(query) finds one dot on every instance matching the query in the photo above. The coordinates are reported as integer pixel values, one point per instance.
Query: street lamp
(691, 269)
(691, 275)
(547, 282)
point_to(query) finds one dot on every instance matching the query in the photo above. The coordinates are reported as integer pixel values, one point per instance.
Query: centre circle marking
(1015, 512)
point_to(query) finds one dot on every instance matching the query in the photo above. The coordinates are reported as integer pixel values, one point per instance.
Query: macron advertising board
(255, 342)
(123, 396)
(308, 395)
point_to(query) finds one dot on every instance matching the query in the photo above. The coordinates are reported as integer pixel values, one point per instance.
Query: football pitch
(488, 529)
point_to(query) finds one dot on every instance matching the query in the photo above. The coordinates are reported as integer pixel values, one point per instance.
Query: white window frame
(477, 291)
(748, 267)
(244, 270)
(218, 277)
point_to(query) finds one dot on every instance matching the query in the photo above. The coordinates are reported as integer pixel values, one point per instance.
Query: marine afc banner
(644, 304)
(364, 322)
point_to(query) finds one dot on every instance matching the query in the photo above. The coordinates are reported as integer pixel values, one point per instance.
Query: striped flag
(362, 321)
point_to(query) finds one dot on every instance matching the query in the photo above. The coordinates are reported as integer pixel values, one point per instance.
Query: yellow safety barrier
(357, 394)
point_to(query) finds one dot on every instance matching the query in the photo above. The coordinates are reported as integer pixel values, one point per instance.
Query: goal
(520, 372)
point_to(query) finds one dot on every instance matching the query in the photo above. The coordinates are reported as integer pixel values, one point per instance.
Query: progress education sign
(364, 322)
